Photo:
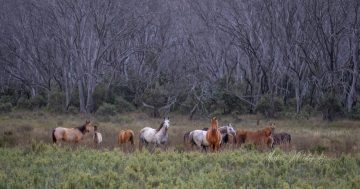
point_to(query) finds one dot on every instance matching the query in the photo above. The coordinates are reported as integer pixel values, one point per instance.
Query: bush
(55, 103)
(233, 103)
(73, 110)
(6, 99)
(330, 107)
(37, 102)
(123, 106)
(269, 107)
(23, 103)
(355, 112)
(106, 109)
(5, 107)
(99, 96)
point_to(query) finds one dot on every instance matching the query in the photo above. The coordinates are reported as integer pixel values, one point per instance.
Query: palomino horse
(213, 135)
(71, 134)
(155, 136)
(125, 136)
(262, 137)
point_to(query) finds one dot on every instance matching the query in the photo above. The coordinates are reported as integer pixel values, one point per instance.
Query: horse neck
(214, 126)
(82, 129)
(163, 130)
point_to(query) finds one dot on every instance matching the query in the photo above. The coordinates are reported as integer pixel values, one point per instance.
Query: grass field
(322, 155)
(48, 166)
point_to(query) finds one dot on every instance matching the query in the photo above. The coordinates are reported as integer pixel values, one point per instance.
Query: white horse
(198, 137)
(97, 136)
(158, 137)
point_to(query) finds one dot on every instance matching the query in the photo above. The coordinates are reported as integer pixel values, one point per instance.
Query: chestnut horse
(125, 136)
(262, 137)
(71, 134)
(213, 135)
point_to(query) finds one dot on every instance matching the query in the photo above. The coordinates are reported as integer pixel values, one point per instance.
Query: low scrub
(50, 166)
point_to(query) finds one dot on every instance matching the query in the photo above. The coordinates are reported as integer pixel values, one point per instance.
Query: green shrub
(106, 109)
(5, 107)
(37, 102)
(269, 107)
(355, 113)
(330, 107)
(99, 96)
(233, 103)
(123, 106)
(319, 149)
(73, 110)
(6, 99)
(55, 102)
(23, 103)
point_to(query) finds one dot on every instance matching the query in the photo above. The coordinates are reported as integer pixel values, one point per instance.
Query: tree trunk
(355, 59)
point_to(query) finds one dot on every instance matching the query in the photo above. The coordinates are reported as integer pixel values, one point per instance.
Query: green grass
(322, 155)
(41, 165)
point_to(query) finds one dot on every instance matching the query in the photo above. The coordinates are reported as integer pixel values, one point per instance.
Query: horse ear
(87, 121)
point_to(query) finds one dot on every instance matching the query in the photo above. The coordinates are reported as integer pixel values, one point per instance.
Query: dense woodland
(276, 57)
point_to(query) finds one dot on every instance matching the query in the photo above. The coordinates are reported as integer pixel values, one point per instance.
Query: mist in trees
(195, 57)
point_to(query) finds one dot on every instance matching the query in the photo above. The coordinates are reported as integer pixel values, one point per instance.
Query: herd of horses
(213, 137)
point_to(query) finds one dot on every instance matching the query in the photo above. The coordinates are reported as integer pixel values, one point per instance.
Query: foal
(213, 135)
(97, 136)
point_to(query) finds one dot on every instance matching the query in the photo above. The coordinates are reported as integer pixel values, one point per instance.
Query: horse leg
(155, 145)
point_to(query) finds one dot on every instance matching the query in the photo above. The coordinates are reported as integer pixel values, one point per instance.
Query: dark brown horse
(71, 134)
(213, 135)
(281, 138)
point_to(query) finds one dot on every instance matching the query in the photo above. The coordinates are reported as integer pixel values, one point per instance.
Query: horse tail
(289, 138)
(132, 137)
(53, 136)
(186, 136)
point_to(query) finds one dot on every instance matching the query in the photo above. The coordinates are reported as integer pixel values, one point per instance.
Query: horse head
(268, 131)
(214, 123)
(166, 122)
(231, 130)
(88, 126)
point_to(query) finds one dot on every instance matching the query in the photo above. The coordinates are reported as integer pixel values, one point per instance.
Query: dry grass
(313, 135)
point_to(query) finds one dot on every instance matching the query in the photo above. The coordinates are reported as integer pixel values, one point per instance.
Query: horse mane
(82, 128)
(161, 125)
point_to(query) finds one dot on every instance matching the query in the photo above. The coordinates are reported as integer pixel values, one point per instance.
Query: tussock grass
(42, 165)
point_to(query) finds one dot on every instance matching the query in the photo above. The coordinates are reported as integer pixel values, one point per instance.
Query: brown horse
(262, 137)
(282, 138)
(71, 134)
(125, 136)
(213, 135)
